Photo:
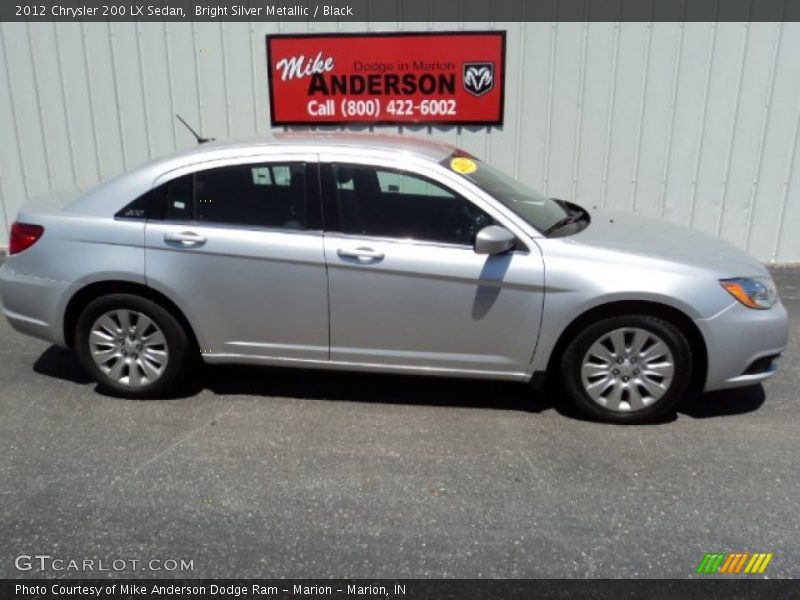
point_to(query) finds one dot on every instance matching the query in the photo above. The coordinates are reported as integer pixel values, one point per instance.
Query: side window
(171, 200)
(265, 195)
(390, 203)
(141, 207)
(178, 199)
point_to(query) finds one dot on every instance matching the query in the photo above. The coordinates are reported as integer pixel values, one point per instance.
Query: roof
(340, 139)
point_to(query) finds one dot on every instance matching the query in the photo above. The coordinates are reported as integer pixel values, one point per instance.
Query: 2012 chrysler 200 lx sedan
(388, 254)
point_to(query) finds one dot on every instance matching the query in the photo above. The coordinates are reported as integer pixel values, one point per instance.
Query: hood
(654, 238)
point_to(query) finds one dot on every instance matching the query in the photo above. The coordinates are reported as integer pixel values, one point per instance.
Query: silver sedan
(389, 254)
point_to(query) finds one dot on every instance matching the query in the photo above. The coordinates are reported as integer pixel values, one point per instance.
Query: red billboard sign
(431, 77)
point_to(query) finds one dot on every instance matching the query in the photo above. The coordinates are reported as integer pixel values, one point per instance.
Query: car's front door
(406, 288)
(239, 247)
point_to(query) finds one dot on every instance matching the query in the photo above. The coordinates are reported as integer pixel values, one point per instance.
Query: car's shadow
(59, 363)
(234, 380)
(723, 403)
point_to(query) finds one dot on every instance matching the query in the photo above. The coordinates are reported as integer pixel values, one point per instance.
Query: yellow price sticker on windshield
(463, 165)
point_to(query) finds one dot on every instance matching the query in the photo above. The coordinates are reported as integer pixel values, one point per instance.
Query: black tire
(576, 350)
(177, 341)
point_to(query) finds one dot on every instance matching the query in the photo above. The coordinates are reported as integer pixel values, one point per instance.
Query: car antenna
(200, 139)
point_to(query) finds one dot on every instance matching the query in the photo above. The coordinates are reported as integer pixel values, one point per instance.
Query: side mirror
(493, 240)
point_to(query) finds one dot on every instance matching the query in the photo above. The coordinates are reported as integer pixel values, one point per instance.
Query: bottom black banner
(406, 589)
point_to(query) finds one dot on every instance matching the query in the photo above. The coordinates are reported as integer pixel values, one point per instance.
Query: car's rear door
(239, 247)
(406, 288)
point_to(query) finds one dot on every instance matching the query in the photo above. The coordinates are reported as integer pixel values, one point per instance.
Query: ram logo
(478, 77)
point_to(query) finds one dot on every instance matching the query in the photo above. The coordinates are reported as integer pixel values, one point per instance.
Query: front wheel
(132, 346)
(627, 369)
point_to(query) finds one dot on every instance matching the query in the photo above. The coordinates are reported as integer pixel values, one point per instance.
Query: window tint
(139, 208)
(252, 195)
(178, 199)
(171, 200)
(396, 204)
(394, 181)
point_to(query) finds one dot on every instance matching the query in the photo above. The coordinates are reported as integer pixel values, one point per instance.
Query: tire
(132, 367)
(602, 370)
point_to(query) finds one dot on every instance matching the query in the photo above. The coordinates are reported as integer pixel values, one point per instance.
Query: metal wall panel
(695, 123)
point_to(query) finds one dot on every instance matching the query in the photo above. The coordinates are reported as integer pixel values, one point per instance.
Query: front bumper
(31, 304)
(743, 344)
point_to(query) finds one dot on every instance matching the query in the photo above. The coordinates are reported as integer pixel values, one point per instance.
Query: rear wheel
(132, 346)
(627, 369)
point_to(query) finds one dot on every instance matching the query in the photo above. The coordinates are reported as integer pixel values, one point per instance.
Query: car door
(239, 247)
(406, 288)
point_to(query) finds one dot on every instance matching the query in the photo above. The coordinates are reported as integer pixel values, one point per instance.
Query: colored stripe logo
(734, 563)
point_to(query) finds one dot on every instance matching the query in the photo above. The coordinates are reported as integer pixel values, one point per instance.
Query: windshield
(538, 210)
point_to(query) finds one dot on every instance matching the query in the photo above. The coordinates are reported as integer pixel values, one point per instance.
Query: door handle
(362, 254)
(186, 238)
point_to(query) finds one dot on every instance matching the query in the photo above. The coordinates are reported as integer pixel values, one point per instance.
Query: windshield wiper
(573, 218)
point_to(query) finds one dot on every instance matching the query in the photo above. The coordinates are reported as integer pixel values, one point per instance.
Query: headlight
(753, 292)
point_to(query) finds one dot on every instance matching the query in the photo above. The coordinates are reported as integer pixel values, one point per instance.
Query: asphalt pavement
(281, 473)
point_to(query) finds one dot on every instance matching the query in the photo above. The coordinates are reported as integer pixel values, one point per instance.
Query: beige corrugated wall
(695, 123)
